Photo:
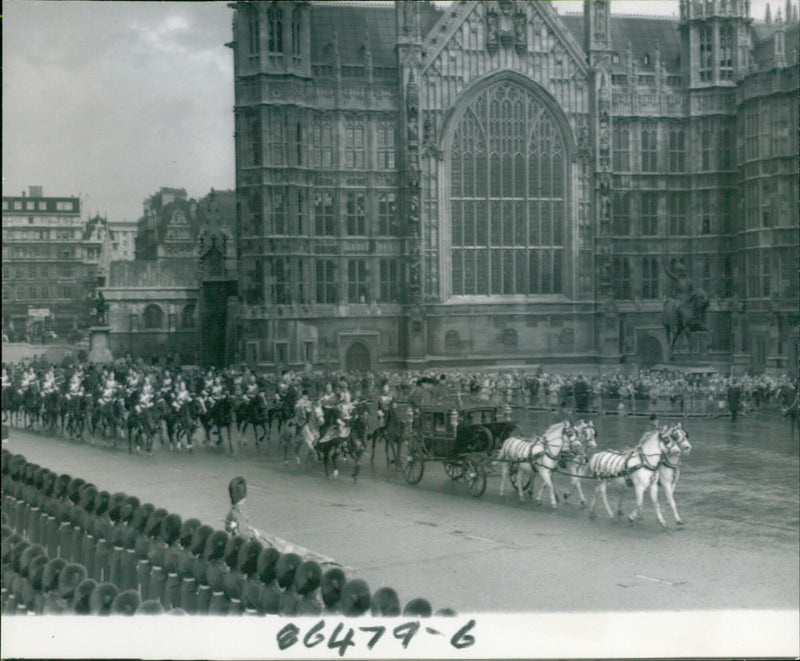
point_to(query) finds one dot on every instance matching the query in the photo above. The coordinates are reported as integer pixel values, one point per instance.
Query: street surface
(738, 494)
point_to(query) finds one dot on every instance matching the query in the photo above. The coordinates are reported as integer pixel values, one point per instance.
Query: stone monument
(99, 351)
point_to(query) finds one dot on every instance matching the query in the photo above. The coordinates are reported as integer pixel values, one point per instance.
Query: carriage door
(358, 358)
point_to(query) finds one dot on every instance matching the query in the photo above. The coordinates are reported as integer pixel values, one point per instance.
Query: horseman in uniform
(685, 309)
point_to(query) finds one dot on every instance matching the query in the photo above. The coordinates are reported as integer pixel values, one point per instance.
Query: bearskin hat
(88, 495)
(171, 528)
(150, 607)
(153, 526)
(355, 598)
(102, 598)
(52, 572)
(83, 593)
(70, 578)
(331, 586)
(62, 481)
(418, 608)
(286, 568)
(187, 532)
(36, 571)
(73, 488)
(385, 603)
(200, 537)
(307, 577)
(27, 555)
(101, 502)
(232, 548)
(125, 603)
(237, 489)
(247, 561)
(115, 505)
(16, 553)
(265, 566)
(215, 546)
(140, 516)
(130, 505)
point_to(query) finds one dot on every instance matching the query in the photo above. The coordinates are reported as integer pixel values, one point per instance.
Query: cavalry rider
(182, 395)
(344, 412)
(49, 385)
(76, 384)
(6, 379)
(217, 391)
(385, 403)
(28, 378)
(145, 396)
(249, 387)
(109, 388)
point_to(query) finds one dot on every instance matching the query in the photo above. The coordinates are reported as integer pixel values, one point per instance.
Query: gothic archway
(358, 358)
(649, 351)
(507, 157)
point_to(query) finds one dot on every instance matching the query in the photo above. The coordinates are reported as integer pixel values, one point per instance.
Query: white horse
(575, 460)
(539, 453)
(638, 467)
(669, 471)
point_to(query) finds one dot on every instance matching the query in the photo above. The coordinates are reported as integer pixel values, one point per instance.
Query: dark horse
(684, 317)
(331, 446)
(255, 413)
(220, 416)
(392, 433)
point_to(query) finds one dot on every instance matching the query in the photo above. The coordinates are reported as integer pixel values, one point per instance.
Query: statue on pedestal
(685, 308)
(101, 310)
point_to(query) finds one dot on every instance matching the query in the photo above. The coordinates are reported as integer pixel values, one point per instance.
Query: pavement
(738, 549)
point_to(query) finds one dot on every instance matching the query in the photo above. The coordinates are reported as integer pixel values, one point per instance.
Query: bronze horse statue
(684, 311)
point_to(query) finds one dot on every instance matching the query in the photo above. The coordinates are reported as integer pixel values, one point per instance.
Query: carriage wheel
(513, 475)
(475, 477)
(454, 471)
(482, 440)
(413, 468)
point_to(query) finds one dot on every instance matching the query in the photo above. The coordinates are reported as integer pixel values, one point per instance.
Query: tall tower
(715, 41)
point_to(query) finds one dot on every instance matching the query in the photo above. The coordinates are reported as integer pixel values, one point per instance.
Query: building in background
(122, 240)
(492, 183)
(47, 281)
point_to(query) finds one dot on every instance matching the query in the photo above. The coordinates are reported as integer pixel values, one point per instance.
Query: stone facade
(492, 183)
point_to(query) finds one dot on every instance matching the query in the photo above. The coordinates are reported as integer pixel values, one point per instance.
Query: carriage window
(439, 423)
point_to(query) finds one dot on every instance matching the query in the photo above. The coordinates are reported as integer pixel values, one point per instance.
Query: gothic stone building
(490, 183)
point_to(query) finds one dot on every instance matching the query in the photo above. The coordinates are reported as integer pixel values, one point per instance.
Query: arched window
(188, 316)
(153, 317)
(275, 25)
(507, 195)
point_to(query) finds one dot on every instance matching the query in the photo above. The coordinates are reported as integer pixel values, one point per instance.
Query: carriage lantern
(506, 413)
(454, 420)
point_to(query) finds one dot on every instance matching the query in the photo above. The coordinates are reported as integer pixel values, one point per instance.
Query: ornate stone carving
(505, 26)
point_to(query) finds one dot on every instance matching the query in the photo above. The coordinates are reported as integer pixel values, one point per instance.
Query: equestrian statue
(685, 308)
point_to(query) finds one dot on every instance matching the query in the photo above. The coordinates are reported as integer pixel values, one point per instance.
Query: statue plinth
(99, 351)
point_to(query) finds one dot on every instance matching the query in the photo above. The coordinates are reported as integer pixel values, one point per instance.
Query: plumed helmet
(200, 537)
(115, 505)
(141, 515)
(36, 571)
(129, 506)
(286, 567)
(237, 489)
(215, 546)
(52, 573)
(82, 596)
(171, 528)
(101, 598)
(385, 603)
(187, 532)
(265, 566)
(101, 502)
(355, 598)
(153, 526)
(247, 561)
(307, 577)
(418, 608)
(70, 578)
(331, 586)
(125, 603)
(232, 548)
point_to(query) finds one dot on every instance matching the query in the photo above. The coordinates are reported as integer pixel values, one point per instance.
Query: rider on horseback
(684, 291)
(76, 384)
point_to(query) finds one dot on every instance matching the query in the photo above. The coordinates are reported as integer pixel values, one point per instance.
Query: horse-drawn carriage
(463, 437)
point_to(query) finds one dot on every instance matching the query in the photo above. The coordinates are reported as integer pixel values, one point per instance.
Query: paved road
(738, 493)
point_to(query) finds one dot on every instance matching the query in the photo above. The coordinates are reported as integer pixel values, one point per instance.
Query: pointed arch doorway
(358, 358)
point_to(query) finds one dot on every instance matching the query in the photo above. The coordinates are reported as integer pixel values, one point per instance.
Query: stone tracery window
(507, 196)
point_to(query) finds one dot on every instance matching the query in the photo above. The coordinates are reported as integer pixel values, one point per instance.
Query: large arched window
(507, 196)
(153, 317)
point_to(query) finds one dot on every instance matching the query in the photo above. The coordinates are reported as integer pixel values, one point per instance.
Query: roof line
(665, 17)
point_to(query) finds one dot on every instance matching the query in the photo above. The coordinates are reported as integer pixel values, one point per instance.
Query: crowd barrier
(68, 548)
